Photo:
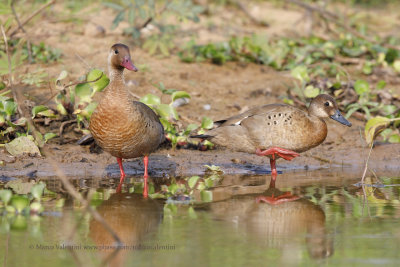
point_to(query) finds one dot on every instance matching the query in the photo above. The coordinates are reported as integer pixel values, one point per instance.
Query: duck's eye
(116, 52)
(326, 104)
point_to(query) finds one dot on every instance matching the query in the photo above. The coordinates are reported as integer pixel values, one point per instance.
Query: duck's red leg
(146, 175)
(273, 200)
(281, 152)
(121, 180)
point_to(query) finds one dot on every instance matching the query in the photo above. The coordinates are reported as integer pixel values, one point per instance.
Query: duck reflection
(278, 218)
(131, 217)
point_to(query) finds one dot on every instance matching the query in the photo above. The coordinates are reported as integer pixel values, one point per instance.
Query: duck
(132, 218)
(121, 126)
(276, 220)
(277, 130)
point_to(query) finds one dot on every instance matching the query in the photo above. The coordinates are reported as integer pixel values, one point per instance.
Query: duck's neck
(117, 82)
(116, 75)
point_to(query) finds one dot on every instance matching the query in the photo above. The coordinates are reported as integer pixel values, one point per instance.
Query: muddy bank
(77, 162)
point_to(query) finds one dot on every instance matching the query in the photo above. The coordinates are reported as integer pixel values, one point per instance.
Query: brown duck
(121, 126)
(277, 130)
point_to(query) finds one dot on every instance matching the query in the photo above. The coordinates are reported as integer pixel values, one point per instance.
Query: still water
(306, 219)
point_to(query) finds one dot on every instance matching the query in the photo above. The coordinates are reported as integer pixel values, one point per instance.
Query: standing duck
(277, 130)
(121, 126)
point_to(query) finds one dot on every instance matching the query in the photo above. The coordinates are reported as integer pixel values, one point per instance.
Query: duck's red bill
(127, 63)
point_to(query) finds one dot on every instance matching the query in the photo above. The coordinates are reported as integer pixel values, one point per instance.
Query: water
(326, 222)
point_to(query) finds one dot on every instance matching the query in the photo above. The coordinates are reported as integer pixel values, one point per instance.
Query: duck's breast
(124, 130)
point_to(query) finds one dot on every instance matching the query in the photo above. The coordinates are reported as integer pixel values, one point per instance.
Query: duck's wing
(150, 119)
(263, 127)
(237, 119)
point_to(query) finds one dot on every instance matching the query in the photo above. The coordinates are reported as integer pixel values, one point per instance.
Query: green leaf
(206, 196)
(380, 85)
(167, 111)
(179, 94)
(300, 73)
(395, 138)
(396, 66)
(118, 19)
(37, 109)
(361, 87)
(5, 196)
(84, 92)
(173, 188)
(37, 190)
(150, 99)
(367, 68)
(191, 127)
(48, 136)
(102, 81)
(374, 126)
(207, 123)
(311, 91)
(389, 109)
(192, 181)
(113, 6)
(87, 112)
(19, 202)
(10, 107)
(61, 109)
(213, 168)
(47, 113)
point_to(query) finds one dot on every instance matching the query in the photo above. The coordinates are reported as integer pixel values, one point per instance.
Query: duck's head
(120, 58)
(324, 106)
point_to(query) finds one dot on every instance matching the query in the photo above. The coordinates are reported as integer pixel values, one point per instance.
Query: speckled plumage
(276, 125)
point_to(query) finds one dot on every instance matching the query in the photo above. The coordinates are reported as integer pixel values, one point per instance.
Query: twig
(69, 85)
(63, 125)
(28, 42)
(71, 190)
(183, 117)
(83, 61)
(242, 7)
(26, 113)
(8, 56)
(31, 17)
(14, 93)
(150, 19)
(144, 25)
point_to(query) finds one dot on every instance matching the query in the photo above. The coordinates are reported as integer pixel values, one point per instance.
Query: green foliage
(35, 78)
(169, 115)
(160, 43)
(42, 53)
(26, 198)
(16, 60)
(140, 13)
(191, 189)
(10, 126)
(285, 53)
(78, 100)
(378, 124)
